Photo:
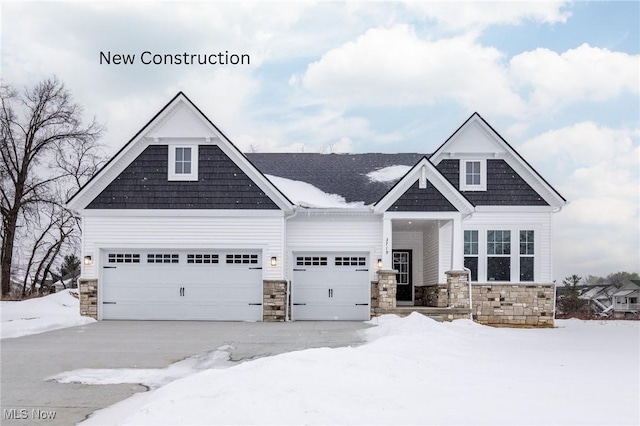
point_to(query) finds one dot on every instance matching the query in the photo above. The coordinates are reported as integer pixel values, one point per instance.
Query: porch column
(457, 247)
(387, 244)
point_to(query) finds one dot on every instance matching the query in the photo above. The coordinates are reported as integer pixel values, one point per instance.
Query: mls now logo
(15, 414)
(23, 414)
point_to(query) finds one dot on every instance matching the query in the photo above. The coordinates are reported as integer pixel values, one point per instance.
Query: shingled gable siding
(422, 200)
(504, 186)
(144, 185)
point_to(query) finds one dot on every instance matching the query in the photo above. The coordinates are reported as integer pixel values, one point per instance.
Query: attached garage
(330, 286)
(220, 285)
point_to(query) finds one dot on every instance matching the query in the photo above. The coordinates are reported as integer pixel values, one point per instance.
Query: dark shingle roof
(342, 174)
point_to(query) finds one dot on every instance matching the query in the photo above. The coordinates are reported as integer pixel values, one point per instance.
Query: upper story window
(183, 162)
(473, 175)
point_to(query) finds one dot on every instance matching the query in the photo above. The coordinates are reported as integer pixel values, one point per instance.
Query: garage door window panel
(350, 261)
(202, 258)
(247, 259)
(163, 258)
(123, 258)
(311, 261)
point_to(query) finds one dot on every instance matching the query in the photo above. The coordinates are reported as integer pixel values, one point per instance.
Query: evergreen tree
(70, 264)
(570, 303)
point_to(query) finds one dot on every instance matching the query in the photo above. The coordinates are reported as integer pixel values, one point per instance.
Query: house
(599, 298)
(180, 224)
(625, 300)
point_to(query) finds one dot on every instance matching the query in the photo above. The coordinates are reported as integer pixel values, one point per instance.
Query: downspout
(286, 256)
(468, 271)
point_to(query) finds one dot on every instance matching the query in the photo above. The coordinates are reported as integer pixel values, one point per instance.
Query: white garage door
(223, 285)
(330, 286)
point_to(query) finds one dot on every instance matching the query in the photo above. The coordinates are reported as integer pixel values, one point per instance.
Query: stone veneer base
(88, 298)
(518, 305)
(274, 300)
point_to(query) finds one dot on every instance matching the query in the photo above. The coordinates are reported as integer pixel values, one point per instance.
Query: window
(471, 253)
(351, 261)
(242, 259)
(123, 258)
(526, 255)
(499, 255)
(473, 175)
(633, 300)
(183, 162)
(202, 258)
(163, 258)
(311, 261)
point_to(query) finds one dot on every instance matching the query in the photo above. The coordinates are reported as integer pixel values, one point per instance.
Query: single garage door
(330, 286)
(224, 285)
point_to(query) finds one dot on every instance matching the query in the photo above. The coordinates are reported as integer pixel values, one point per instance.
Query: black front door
(402, 264)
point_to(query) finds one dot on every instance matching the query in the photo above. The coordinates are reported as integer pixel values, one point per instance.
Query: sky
(558, 80)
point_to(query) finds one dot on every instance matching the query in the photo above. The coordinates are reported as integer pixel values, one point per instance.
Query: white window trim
(514, 256)
(483, 175)
(172, 175)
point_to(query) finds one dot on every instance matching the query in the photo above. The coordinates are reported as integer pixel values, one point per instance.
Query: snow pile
(388, 174)
(417, 371)
(306, 195)
(32, 316)
(150, 377)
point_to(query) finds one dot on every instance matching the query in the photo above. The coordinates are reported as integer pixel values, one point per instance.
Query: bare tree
(45, 151)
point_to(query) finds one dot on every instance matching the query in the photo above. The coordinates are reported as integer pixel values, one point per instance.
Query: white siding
(336, 233)
(431, 255)
(264, 233)
(539, 222)
(411, 241)
(445, 236)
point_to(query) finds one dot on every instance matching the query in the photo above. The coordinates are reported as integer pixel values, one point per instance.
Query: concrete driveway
(28, 361)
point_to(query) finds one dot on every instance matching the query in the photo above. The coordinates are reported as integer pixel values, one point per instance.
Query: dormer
(488, 171)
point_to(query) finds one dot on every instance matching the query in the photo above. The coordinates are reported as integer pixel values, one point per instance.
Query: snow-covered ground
(416, 371)
(32, 316)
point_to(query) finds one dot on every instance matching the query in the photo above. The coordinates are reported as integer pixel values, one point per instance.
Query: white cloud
(481, 14)
(393, 66)
(598, 231)
(584, 73)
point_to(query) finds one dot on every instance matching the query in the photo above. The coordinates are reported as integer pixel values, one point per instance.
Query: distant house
(599, 298)
(625, 300)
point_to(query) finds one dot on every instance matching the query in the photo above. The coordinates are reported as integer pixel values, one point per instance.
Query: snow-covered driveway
(418, 371)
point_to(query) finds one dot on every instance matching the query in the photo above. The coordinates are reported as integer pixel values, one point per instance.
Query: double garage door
(222, 285)
(330, 286)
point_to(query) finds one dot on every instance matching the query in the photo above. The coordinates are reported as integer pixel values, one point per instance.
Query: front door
(402, 264)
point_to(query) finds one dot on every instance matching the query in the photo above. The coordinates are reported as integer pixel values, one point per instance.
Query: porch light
(379, 263)
(88, 260)
(274, 261)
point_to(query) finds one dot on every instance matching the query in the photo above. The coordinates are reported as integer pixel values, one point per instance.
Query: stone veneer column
(89, 298)
(458, 289)
(387, 286)
(274, 300)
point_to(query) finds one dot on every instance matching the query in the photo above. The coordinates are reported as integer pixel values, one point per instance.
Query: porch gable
(423, 189)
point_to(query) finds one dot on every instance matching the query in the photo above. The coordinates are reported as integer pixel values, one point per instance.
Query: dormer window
(473, 175)
(183, 162)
